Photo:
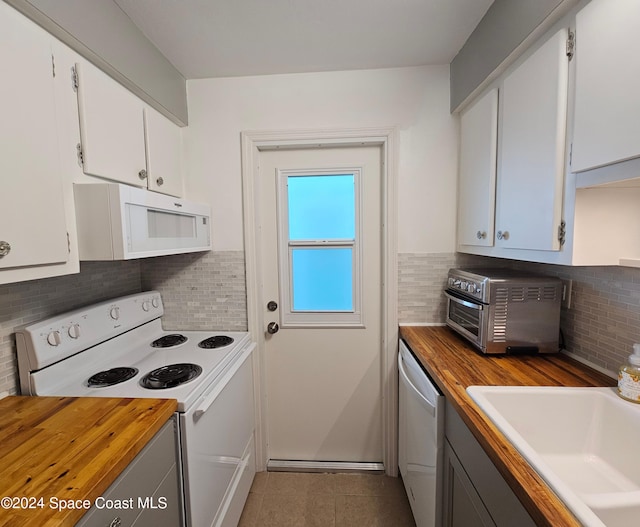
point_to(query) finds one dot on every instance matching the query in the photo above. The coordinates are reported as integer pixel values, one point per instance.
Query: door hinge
(74, 78)
(562, 232)
(571, 44)
(80, 155)
(53, 65)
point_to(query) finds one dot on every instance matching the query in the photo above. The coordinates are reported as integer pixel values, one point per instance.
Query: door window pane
(322, 279)
(321, 207)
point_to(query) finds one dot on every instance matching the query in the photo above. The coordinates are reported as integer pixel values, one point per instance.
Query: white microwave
(120, 222)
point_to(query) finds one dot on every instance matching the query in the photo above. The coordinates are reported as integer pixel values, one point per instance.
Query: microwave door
(153, 231)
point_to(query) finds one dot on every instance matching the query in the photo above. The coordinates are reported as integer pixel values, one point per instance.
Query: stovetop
(65, 362)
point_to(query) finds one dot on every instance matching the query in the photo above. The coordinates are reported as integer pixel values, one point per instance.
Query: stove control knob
(146, 305)
(53, 338)
(74, 331)
(155, 302)
(114, 313)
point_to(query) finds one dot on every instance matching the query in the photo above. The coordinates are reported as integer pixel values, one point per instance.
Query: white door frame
(252, 144)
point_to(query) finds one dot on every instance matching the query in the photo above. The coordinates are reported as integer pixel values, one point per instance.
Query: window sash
(317, 318)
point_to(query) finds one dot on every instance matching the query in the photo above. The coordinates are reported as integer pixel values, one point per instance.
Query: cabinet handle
(481, 235)
(503, 235)
(142, 174)
(160, 181)
(5, 248)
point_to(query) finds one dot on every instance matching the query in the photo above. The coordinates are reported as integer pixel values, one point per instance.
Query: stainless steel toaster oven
(504, 310)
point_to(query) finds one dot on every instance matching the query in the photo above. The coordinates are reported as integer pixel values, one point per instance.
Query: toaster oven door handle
(466, 303)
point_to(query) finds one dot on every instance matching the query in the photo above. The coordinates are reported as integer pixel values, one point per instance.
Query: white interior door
(320, 245)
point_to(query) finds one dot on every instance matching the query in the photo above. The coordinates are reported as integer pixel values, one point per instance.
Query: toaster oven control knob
(472, 288)
(53, 338)
(74, 331)
(114, 313)
(155, 302)
(146, 305)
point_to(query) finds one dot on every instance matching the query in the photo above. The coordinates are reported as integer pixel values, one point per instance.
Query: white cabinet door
(32, 214)
(532, 149)
(111, 128)
(164, 153)
(477, 178)
(607, 105)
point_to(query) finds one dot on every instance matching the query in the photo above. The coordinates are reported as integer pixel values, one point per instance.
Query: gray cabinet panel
(501, 503)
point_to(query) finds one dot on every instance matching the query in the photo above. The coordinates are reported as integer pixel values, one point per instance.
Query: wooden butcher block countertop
(64, 448)
(454, 365)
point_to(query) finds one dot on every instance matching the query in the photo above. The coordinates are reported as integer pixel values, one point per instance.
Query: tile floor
(283, 499)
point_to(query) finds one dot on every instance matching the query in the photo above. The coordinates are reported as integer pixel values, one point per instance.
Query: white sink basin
(584, 442)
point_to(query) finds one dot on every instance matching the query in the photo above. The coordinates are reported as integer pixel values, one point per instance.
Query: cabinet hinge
(68, 243)
(53, 65)
(570, 154)
(74, 78)
(571, 44)
(562, 232)
(80, 155)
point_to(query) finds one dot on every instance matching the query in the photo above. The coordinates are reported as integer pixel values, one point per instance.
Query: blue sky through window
(321, 208)
(322, 279)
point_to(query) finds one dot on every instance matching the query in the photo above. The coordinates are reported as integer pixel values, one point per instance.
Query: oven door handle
(209, 399)
(465, 303)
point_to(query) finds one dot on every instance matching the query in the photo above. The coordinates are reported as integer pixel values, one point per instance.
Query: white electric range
(118, 348)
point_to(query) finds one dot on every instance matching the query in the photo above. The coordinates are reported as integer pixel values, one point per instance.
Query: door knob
(272, 328)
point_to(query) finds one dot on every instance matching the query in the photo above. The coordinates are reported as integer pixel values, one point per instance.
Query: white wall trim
(252, 143)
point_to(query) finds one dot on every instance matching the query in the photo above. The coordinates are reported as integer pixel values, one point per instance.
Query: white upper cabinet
(33, 229)
(531, 160)
(477, 176)
(111, 128)
(123, 139)
(164, 153)
(607, 100)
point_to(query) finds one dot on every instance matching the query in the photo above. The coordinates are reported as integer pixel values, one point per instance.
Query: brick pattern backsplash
(200, 291)
(603, 320)
(421, 279)
(208, 291)
(27, 302)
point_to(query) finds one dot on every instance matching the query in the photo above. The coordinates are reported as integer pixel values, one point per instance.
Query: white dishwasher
(420, 439)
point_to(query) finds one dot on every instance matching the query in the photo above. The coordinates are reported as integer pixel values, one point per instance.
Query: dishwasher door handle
(405, 378)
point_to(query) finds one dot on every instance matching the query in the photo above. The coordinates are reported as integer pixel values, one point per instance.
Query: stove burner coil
(168, 341)
(217, 341)
(111, 377)
(170, 376)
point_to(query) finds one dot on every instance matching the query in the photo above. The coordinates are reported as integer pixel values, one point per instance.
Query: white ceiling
(220, 38)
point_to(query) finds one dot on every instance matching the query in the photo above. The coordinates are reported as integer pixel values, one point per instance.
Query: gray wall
(101, 32)
(504, 27)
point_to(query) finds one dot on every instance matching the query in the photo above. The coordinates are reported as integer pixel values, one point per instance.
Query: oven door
(466, 316)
